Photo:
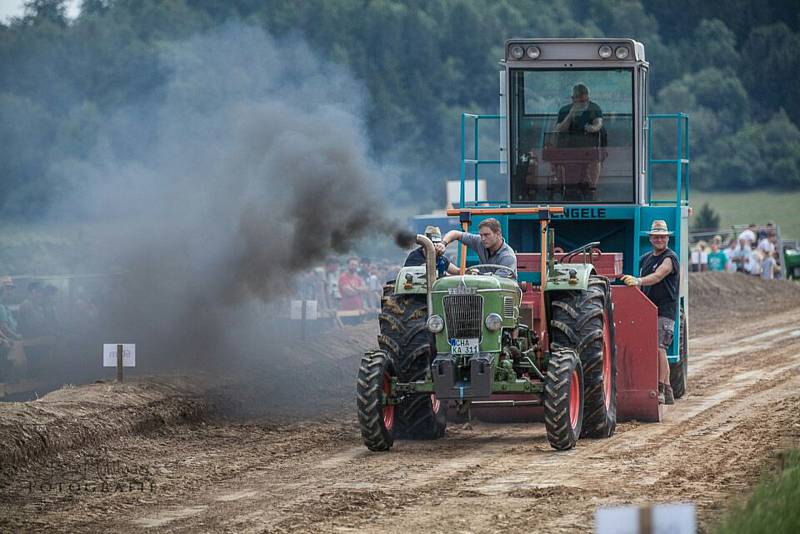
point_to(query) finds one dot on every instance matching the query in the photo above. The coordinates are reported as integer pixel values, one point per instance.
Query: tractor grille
(508, 307)
(463, 314)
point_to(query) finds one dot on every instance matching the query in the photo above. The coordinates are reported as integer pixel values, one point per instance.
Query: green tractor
(479, 348)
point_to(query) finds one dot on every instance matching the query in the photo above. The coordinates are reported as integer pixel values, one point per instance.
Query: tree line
(734, 70)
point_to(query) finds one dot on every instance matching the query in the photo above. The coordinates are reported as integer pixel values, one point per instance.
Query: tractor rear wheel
(404, 336)
(584, 321)
(376, 419)
(679, 372)
(563, 403)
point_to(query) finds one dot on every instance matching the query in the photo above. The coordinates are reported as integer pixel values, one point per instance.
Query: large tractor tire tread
(563, 368)
(375, 419)
(679, 372)
(580, 321)
(406, 339)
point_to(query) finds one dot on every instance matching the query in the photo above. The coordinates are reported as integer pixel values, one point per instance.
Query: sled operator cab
(573, 109)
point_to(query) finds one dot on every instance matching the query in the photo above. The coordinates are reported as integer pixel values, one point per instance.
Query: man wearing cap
(488, 244)
(659, 280)
(582, 120)
(417, 256)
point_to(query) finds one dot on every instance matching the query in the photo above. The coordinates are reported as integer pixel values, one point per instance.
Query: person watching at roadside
(352, 287)
(749, 235)
(8, 324)
(741, 255)
(659, 279)
(443, 264)
(488, 243)
(717, 260)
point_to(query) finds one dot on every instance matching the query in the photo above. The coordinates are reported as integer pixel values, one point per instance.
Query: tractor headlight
(435, 324)
(517, 52)
(533, 52)
(605, 51)
(493, 322)
(621, 52)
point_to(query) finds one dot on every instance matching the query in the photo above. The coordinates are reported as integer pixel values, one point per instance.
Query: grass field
(759, 207)
(772, 507)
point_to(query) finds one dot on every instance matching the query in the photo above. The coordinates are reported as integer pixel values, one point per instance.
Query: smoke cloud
(250, 167)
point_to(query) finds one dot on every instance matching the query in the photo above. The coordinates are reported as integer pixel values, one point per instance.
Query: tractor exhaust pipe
(430, 266)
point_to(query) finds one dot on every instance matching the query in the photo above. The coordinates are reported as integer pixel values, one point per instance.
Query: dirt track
(317, 477)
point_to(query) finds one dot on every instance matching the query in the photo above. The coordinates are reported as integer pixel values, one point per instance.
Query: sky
(15, 8)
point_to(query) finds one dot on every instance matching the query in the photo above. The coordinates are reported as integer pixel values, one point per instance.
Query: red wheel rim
(388, 409)
(606, 361)
(435, 404)
(574, 399)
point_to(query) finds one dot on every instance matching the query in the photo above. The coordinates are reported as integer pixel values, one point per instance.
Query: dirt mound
(715, 296)
(303, 378)
(76, 416)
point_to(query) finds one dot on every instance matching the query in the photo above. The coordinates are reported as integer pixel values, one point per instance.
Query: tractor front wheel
(563, 404)
(405, 338)
(376, 418)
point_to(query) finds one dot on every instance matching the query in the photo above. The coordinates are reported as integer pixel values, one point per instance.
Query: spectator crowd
(348, 289)
(30, 324)
(755, 251)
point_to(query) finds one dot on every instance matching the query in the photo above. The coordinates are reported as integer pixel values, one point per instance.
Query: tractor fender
(562, 277)
(411, 281)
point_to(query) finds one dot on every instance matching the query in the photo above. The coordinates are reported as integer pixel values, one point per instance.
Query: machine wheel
(584, 321)
(563, 403)
(405, 338)
(376, 419)
(679, 372)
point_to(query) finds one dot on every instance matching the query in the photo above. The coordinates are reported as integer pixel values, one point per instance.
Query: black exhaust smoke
(252, 167)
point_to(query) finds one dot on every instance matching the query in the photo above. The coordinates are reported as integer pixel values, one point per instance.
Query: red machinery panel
(606, 263)
(636, 336)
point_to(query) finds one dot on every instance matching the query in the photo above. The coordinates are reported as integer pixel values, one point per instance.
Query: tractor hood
(466, 300)
(478, 282)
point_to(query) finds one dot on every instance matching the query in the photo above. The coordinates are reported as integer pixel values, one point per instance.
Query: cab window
(572, 135)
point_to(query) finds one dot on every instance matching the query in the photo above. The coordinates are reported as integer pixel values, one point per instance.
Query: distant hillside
(735, 70)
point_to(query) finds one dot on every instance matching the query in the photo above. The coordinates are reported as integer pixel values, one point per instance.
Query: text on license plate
(464, 346)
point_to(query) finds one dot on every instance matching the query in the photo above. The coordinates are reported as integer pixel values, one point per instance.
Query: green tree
(706, 219)
(770, 66)
(46, 11)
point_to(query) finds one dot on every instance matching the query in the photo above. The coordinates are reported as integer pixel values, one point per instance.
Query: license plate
(464, 346)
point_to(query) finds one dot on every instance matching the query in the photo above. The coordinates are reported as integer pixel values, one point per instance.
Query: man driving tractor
(488, 244)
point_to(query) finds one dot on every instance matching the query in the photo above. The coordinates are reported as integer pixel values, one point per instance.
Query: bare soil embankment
(85, 415)
(300, 379)
(726, 297)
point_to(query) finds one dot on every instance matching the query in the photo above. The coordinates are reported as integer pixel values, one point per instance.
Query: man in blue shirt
(417, 256)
